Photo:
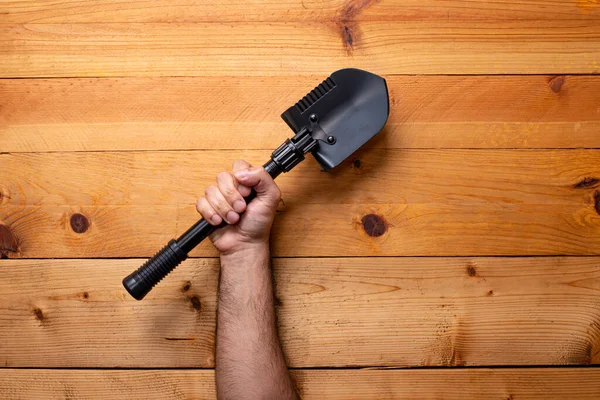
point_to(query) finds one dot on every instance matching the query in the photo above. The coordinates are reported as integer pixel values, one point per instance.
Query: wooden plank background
(360, 312)
(465, 235)
(499, 202)
(536, 383)
(483, 112)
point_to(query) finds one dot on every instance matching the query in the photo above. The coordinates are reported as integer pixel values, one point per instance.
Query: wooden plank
(380, 202)
(52, 11)
(460, 384)
(315, 230)
(40, 115)
(258, 49)
(332, 312)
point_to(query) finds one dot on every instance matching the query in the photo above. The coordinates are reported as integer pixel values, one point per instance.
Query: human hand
(249, 225)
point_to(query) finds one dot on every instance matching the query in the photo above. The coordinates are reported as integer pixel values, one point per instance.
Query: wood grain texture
(379, 202)
(258, 49)
(332, 312)
(134, 106)
(500, 384)
(41, 115)
(51, 11)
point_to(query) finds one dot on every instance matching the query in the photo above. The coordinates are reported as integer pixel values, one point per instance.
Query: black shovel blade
(343, 112)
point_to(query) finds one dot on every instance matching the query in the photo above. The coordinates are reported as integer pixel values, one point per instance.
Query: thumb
(262, 182)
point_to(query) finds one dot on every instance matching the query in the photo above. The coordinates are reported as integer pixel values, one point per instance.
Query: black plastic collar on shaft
(141, 281)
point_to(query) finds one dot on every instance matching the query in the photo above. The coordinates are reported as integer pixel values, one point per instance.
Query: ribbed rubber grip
(140, 282)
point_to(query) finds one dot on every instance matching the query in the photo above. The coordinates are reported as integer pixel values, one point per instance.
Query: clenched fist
(248, 224)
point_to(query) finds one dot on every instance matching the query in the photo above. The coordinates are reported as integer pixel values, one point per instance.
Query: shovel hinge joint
(292, 151)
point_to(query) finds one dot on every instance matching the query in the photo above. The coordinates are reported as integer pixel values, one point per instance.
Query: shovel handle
(140, 282)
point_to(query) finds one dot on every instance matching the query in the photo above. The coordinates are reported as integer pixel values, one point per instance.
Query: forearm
(249, 360)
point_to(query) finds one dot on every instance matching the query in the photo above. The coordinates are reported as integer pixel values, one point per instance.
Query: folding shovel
(332, 121)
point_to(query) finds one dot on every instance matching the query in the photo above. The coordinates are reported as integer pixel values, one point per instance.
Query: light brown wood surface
(401, 312)
(279, 48)
(426, 202)
(500, 384)
(50, 11)
(43, 115)
(115, 115)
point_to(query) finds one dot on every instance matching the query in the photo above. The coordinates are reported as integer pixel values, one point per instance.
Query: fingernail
(216, 219)
(239, 206)
(232, 217)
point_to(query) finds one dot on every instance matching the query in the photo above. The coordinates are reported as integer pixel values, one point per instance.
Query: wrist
(245, 252)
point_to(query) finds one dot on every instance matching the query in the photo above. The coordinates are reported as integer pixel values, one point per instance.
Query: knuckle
(204, 206)
(220, 205)
(224, 206)
(209, 191)
(227, 188)
(228, 191)
(223, 176)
